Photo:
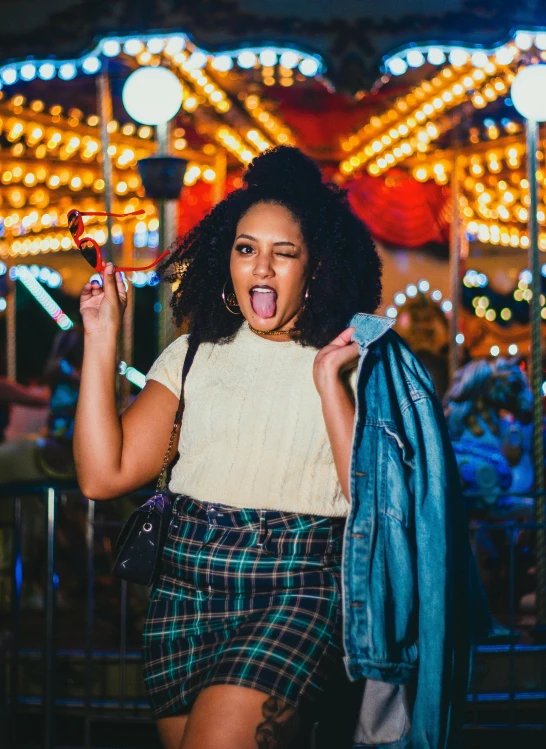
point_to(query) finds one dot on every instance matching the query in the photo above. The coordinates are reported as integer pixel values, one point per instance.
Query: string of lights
(43, 298)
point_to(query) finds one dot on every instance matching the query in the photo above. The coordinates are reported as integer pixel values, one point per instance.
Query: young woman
(243, 629)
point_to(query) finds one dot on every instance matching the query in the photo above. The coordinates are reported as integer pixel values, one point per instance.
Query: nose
(263, 266)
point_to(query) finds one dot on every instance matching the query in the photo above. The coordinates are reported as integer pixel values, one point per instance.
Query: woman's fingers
(344, 337)
(87, 291)
(121, 286)
(109, 285)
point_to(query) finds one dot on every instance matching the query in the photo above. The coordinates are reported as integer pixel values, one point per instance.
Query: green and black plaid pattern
(246, 597)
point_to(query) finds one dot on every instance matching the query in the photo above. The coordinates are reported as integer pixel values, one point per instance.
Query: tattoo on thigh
(279, 727)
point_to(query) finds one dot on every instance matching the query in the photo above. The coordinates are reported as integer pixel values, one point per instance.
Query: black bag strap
(190, 354)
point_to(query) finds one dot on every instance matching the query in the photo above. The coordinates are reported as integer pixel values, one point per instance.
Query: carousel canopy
(391, 99)
(395, 100)
(353, 38)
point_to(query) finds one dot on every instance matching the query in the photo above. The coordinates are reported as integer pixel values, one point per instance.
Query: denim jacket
(413, 605)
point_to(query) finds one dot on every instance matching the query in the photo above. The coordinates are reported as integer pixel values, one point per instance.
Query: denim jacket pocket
(399, 467)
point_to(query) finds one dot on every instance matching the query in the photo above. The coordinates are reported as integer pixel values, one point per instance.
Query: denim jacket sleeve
(443, 556)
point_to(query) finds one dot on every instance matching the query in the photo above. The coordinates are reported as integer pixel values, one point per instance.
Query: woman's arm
(14, 392)
(339, 413)
(115, 455)
(337, 405)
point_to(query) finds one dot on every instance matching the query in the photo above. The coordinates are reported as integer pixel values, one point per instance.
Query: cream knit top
(253, 433)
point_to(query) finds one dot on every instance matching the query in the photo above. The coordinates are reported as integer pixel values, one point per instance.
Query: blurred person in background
(49, 455)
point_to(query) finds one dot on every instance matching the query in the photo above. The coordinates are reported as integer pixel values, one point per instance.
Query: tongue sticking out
(264, 303)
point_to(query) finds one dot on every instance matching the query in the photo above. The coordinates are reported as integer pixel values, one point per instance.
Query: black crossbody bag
(140, 544)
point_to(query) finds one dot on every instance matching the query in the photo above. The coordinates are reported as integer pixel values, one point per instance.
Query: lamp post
(153, 96)
(528, 96)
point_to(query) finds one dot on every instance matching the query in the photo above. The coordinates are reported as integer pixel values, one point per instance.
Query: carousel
(141, 119)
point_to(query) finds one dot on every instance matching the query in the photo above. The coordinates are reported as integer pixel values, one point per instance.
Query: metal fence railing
(70, 631)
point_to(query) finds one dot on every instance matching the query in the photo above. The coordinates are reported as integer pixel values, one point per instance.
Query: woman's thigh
(171, 730)
(235, 717)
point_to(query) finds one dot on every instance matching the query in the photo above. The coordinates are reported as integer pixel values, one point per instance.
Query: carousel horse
(488, 408)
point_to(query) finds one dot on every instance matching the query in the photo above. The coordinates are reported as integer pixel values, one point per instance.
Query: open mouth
(264, 302)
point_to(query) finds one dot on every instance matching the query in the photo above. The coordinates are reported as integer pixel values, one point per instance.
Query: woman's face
(269, 250)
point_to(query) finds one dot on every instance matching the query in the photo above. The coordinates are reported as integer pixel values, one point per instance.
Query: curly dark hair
(342, 257)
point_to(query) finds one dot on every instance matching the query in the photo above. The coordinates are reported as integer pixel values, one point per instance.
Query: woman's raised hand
(102, 307)
(335, 358)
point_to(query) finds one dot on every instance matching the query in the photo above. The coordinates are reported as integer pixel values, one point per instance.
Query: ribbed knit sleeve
(167, 368)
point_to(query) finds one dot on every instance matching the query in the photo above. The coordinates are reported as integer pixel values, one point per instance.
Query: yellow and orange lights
(35, 232)
(233, 143)
(205, 87)
(494, 192)
(276, 130)
(414, 121)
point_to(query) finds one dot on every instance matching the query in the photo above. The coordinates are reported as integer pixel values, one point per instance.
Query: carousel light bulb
(152, 95)
(9, 76)
(67, 71)
(504, 56)
(175, 45)
(436, 56)
(458, 57)
(540, 41)
(479, 59)
(268, 58)
(91, 65)
(28, 71)
(415, 58)
(222, 63)
(524, 89)
(247, 59)
(197, 59)
(523, 40)
(155, 45)
(133, 47)
(397, 66)
(289, 60)
(309, 67)
(111, 48)
(46, 71)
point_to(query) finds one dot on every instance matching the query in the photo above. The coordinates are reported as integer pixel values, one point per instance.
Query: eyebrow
(249, 236)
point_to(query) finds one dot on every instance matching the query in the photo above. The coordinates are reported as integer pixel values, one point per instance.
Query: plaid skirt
(245, 597)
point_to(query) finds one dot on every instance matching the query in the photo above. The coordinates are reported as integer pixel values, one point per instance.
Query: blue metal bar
(17, 584)
(90, 543)
(512, 596)
(50, 610)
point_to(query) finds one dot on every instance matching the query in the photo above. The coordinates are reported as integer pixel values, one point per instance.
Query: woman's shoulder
(167, 368)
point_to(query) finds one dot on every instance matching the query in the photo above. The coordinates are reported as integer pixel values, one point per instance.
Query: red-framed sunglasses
(89, 247)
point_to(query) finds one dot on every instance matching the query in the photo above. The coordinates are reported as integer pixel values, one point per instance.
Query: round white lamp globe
(152, 95)
(528, 92)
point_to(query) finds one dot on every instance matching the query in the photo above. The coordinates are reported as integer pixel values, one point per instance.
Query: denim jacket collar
(369, 327)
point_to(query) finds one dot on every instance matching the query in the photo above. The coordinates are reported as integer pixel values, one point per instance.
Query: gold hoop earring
(231, 299)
